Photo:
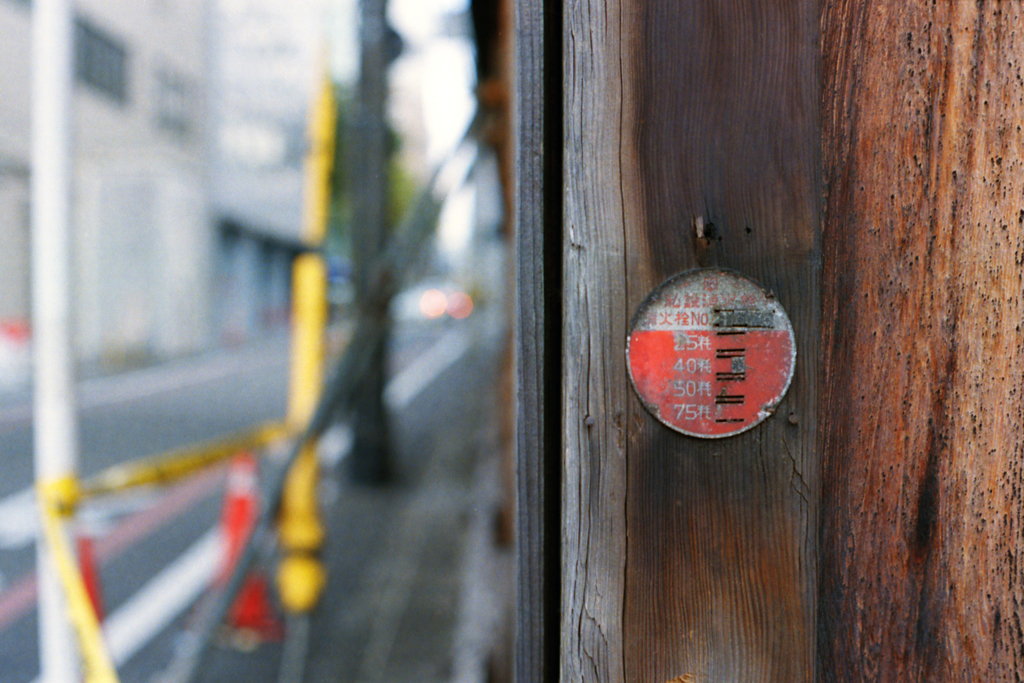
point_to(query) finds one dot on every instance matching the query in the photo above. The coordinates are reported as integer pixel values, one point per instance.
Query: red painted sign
(711, 353)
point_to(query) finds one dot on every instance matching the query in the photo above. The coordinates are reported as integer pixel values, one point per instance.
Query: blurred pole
(369, 235)
(54, 390)
(309, 282)
(301, 575)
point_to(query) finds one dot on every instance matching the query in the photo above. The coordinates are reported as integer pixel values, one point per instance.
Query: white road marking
(406, 385)
(143, 383)
(129, 628)
(19, 519)
(160, 601)
(335, 444)
(19, 515)
(156, 380)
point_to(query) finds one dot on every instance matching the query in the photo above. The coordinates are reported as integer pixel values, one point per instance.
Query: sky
(447, 82)
(444, 70)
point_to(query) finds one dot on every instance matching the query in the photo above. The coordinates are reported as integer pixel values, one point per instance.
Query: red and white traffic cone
(252, 611)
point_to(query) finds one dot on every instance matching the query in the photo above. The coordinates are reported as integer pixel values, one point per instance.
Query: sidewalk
(398, 555)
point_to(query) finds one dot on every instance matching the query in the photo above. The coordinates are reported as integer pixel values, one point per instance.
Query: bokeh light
(433, 303)
(460, 305)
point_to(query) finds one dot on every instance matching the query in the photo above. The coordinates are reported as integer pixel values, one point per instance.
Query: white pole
(54, 389)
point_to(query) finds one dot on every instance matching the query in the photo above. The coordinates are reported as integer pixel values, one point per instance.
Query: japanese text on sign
(711, 353)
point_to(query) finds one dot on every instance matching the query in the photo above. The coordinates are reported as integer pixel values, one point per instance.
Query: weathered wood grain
(686, 559)
(594, 380)
(923, 427)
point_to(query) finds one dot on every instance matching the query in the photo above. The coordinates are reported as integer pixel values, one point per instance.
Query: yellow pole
(301, 575)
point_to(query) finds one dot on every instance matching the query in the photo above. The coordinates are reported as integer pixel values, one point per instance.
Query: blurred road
(158, 549)
(123, 417)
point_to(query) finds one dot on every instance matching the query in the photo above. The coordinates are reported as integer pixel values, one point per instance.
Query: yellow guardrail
(174, 465)
(59, 499)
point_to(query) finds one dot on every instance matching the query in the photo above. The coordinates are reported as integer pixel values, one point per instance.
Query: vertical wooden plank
(594, 392)
(687, 559)
(727, 132)
(538, 352)
(923, 350)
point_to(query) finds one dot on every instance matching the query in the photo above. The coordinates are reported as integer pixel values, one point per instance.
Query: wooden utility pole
(691, 141)
(862, 161)
(923, 401)
(369, 176)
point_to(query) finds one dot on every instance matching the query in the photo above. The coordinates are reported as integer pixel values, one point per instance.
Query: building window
(101, 61)
(174, 102)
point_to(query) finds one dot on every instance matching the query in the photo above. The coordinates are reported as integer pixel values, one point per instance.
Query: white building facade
(267, 57)
(143, 238)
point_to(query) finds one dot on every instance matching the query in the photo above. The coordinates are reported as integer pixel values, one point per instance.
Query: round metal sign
(710, 353)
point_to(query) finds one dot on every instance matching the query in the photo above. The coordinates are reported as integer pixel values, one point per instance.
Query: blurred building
(142, 241)
(190, 131)
(14, 178)
(266, 57)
